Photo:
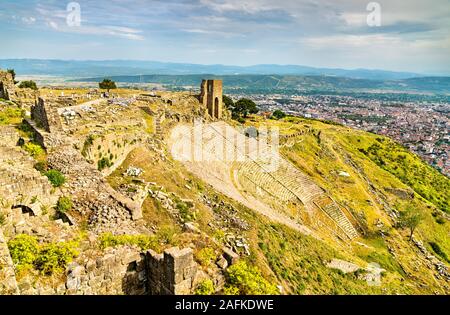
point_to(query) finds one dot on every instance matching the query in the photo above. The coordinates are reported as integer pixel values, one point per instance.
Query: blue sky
(414, 35)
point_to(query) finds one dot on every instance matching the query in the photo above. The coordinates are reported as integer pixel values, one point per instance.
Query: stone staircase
(254, 174)
(331, 208)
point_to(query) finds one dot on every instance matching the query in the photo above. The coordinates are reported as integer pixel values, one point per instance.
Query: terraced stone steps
(230, 163)
(331, 208)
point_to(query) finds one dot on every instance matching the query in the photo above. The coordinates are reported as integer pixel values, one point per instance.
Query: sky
(412, 35)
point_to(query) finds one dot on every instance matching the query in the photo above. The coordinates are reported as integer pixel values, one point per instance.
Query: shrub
(55, 177)
(437, 249)
(41, 166)
(206, 256)
(28, 84)
(64, 204)
(230, 290)
(247, 280)
(26, 129)
(206, 287)
(33, 149)
(2, 218)
(278, 114)
(185, 210)
(47, 258)
(54, 257)
(23, 250)
(103, 163)
(143, 241)
(440, 220)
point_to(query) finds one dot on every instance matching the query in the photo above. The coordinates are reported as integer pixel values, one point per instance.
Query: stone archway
(25, 209)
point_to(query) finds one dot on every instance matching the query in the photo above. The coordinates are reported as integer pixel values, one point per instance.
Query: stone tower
(211, 97)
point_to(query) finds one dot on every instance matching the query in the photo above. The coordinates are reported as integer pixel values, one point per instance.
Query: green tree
(244, 107)
(107, 84)
(410, 219)
(28, 84)
(228, 102)
(278, 114)
(13, 74)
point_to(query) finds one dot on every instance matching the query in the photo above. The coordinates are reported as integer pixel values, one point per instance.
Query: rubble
(133, 171)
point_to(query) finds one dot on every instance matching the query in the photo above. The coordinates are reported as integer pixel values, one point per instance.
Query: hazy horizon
(314, 33)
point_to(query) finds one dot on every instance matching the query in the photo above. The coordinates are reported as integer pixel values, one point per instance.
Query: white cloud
(349, 41)
(53, 25)
(122, 29)
(249, 6)
(28, 20)
(354, 19)
(211, 32)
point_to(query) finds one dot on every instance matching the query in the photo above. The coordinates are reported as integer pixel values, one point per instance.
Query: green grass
(411, 170)
(11, 115)
(166, 236)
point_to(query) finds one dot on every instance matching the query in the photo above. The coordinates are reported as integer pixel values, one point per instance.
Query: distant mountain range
(90, 68)
(264, 83)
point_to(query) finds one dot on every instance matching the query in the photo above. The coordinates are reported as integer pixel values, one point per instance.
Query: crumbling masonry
(6, 85)
(211, 96)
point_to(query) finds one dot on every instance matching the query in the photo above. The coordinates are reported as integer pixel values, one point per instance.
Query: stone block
(72, 283)
(222, 263)
(177, 258)
(230, 256)
(189, 272)
(184, 287)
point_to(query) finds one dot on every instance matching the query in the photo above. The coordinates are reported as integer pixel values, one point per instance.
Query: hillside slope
(325, 222)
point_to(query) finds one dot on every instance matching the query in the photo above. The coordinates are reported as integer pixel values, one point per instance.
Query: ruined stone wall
(125, 270)
(113, 146)
(7, 87)
(45, 114)
(120, 271)
(8, 284)
(20, 183)
(173, 272)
